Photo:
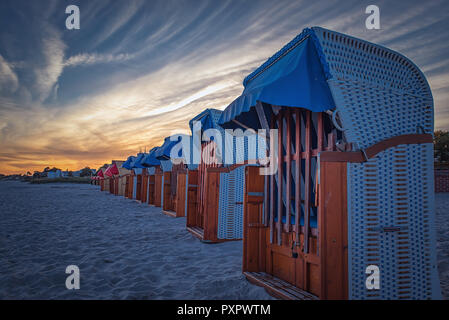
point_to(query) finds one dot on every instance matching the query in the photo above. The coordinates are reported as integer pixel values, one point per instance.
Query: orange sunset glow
(118, 85)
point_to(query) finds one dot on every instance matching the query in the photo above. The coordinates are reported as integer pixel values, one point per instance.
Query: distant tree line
(85, 172)
(441, 146)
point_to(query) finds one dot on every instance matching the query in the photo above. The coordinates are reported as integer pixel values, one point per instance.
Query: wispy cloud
(137, 72)
(8, 79)
(48, 70)
(94, 58)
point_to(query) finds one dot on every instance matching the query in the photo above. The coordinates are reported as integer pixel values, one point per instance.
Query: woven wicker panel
(378, 92)
(162, 190)
(166, 165)
(239, 176)
(395, 189)
(374, 114)
(134, 187)
(215, 115)
(186, 207)
(225, 196)
(230, 211)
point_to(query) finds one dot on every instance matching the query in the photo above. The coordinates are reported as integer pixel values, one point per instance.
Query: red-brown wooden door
(192, 199)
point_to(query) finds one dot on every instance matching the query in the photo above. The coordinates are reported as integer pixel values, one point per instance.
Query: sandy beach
(125, 250)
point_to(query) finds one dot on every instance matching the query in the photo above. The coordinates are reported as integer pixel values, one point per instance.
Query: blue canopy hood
(296, 76)
(163, 152)
(150, 159)
(128, 162)
(209, 119)
(137, 163)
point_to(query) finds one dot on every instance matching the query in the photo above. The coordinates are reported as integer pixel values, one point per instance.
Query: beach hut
(138, 172)
(116, 166)
(133, 177)
(129, 177)
(167, 198)
(125, 177)
(154, 171)
(119, 177)
(174, 156)
(106, 180)
(100, 175)
(345, 208)
(144, 185)
(197, 203)
(215, 190)
(109, 174)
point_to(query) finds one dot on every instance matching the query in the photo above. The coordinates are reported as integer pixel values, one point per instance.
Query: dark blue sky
(137, 71)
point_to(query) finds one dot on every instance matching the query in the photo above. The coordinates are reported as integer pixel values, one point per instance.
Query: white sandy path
(125, 250)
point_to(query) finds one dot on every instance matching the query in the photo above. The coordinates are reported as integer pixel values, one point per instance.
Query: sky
(138, 71)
